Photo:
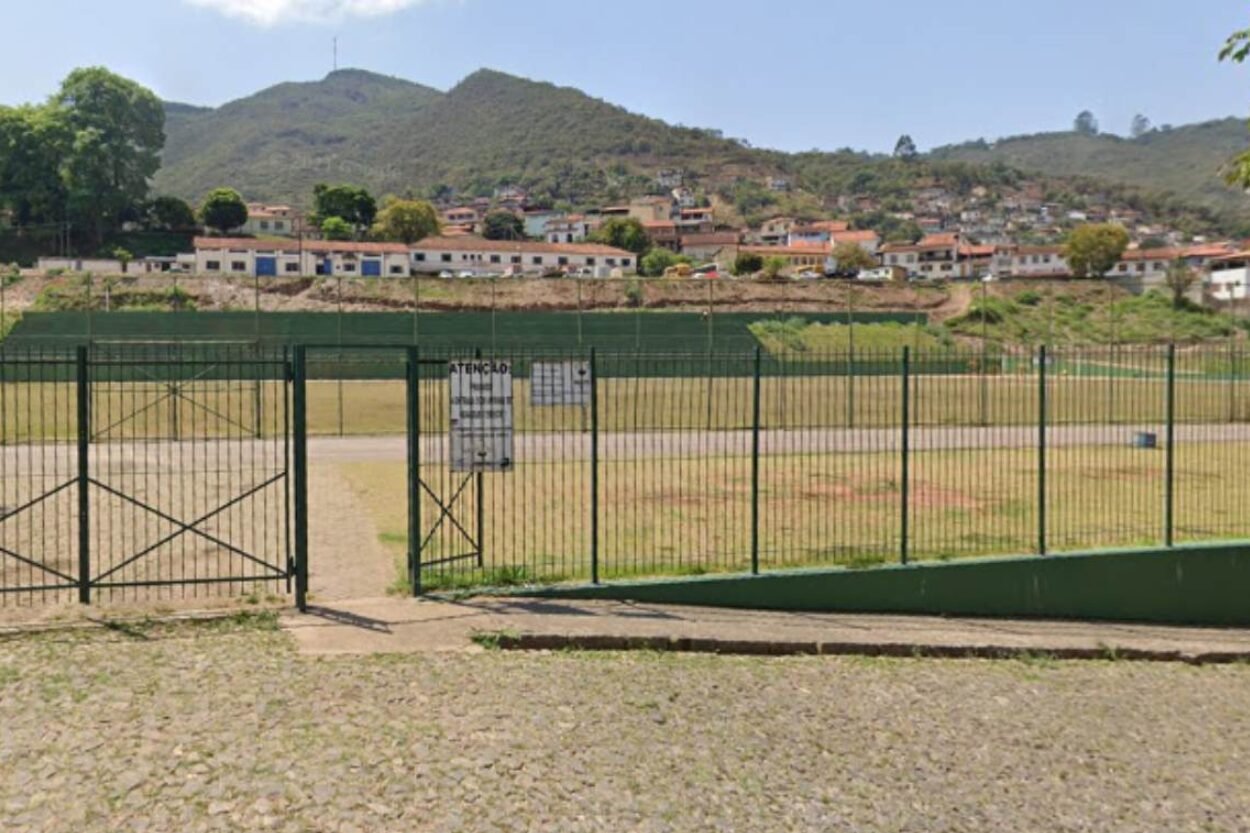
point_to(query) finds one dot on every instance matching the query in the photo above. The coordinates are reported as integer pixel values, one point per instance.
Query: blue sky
(794, 75)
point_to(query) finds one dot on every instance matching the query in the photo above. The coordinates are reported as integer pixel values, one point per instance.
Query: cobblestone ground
(224, 727)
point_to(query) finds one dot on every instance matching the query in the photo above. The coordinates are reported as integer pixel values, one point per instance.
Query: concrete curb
(771, 648)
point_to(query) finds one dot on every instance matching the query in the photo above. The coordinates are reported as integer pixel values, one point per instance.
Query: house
(670, 178)
(811, 234)
(939, 256)
(475, 254)
(866, 239)
(718, 246)
(535, 220)
(650, 209)
(684, 198)
(461, 216)
(272, 220)
(696, 221)
(892, 274)
(1229, 277)
(663, 233)
(573, 228)
(776, 232)
(249, 257)
(1030, 262)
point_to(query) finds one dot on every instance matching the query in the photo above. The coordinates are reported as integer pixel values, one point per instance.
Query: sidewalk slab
(395, 625)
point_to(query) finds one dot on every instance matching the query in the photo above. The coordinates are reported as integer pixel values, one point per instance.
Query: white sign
(481, 415)
(560, 383)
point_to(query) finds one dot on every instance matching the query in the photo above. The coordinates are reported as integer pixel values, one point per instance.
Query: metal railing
(691, 463)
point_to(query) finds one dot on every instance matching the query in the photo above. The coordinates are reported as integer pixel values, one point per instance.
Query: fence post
(594, 468)
(84, 474)
(1232, 384)
(905, 478)
(300, 431)
(1169, 491)
(755, 467)
(1041, 450)
(413, 398)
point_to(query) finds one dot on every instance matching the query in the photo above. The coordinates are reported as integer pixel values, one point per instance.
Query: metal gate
(141, 472)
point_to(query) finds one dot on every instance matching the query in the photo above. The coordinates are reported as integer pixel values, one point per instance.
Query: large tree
(116, 133)
(503, 225)
(1085, 123)
(406, 221)
(33, 144)
(624, 233)
(1180, 278)
(170, 214)
(852, 257)
(1093, 249)
(905, 148)
(1140, 126)
(1237, 48)
(223, 210)
(350, 203)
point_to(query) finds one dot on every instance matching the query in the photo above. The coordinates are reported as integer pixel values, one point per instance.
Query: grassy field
(692, 515)
(1124, 394)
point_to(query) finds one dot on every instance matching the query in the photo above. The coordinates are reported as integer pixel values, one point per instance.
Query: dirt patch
(346, 559)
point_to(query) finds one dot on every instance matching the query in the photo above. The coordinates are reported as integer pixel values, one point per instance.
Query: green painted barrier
(1197, 585)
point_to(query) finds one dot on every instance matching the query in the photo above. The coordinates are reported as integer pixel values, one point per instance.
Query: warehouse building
(480, 256)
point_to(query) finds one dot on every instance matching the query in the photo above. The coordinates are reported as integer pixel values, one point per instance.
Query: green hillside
(563, 146)
(276, 144)
(1184, 161)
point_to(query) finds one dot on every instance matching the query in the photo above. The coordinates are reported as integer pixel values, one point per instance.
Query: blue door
(267, 267)
(371, 268)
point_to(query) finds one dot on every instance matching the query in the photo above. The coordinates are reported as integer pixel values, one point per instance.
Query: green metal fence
(740, 461)
(143, 473)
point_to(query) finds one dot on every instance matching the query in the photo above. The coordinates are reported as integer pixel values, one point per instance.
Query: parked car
(465, 273)
(445, 274)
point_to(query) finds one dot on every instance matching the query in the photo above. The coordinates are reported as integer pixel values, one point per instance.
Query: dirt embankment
(67, 292)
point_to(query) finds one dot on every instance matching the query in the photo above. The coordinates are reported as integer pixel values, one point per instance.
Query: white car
(445, 274)
(466, 274)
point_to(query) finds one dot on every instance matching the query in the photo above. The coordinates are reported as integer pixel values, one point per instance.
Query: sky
(792, 75)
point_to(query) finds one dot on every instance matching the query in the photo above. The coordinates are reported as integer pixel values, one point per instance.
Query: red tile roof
(295, 246)
(479, 244)
(715, 238)
(854, 236)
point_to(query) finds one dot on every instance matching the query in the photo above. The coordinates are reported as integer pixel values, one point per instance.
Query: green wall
(1208, 585)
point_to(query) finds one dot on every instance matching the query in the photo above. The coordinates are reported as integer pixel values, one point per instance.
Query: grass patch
(798, 335)
(492, 640)
(1066, 318)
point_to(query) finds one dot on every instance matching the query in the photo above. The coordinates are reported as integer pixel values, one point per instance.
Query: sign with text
(481, 415)
(560, 383)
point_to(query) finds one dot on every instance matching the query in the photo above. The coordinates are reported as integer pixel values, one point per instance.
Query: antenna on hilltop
(336, 53)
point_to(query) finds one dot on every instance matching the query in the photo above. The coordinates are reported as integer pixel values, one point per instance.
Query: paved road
(548, 447)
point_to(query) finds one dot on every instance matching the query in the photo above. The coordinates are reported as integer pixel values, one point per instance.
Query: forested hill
(1185, 161)
(394, 136)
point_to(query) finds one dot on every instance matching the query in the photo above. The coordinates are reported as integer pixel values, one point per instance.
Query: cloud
(273, 12)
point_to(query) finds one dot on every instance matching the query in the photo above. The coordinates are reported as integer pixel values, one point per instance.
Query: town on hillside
(975, 236)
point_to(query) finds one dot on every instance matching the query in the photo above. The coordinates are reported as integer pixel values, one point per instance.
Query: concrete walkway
(395, 625)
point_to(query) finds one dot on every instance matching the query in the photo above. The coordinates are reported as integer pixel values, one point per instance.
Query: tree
(1140, 127)
(223, 210)
(1086, 124)
(123, 256)
(905, 148)
(659, 260)
(624, 233)
(117, 130)
(350, 203)
(1092, 249)
(747, 263)
(33, 144)
(336, 228)
(773, 267)
(406, 221)
(170, 214)
(503, 225)
(852, 257)
(1180, 278)
(1236, 49)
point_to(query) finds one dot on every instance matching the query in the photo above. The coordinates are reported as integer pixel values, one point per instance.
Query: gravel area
(224, 727)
